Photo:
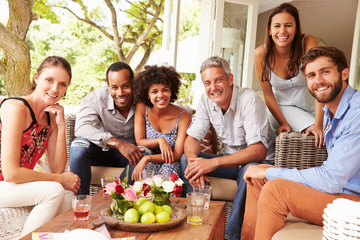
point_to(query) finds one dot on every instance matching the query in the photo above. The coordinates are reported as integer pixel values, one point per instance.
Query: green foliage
(139, 20)
(185, 96)
(44, 10)
(189, 24)
(88, 50)
(2, 87)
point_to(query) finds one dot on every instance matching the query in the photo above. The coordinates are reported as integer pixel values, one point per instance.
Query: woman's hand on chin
(58, 110)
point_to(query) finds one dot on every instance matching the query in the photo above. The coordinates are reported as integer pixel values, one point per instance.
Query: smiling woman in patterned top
(29, 125)
(159, 125)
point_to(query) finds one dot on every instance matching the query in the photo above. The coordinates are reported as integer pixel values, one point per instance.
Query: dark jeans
(233, 226)
(84, 154)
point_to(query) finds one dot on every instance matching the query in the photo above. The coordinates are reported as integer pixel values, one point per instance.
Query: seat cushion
(223, 189)
(98, 171)
(298, 229)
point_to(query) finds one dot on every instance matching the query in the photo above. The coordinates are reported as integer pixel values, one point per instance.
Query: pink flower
(173, 177)
(130, 195)
(119, 189)
(110, 188)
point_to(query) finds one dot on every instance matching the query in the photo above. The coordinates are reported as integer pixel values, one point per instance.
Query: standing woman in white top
(277, 65)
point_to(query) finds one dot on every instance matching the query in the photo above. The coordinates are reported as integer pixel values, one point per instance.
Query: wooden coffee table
(212, 228)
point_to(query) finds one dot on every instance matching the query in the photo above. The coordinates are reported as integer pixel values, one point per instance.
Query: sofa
(291, 150)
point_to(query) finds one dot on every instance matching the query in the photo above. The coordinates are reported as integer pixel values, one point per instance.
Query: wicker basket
(69, 134)
(296, 150)
(12, 221)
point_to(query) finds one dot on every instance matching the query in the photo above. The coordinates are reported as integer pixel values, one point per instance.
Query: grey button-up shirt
(98, 119)
(243, 124)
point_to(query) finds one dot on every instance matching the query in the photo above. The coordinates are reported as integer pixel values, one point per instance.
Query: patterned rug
(95, 188)
(228, 208)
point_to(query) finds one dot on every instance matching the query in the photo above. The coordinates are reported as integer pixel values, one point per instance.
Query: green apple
(147, 218)
(158, 209)
(162, 217)
(131, 216)
(146, 207)
(167, 209)
(141, 201)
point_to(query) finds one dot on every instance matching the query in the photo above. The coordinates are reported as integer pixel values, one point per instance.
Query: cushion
(206, 145)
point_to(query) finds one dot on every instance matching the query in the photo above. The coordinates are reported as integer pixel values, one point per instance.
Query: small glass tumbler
(81, 205)
(195, 208)
(146, 173)
(207, 191)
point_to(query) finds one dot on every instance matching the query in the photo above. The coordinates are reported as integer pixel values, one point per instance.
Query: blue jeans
(84, 154)
(234, 224)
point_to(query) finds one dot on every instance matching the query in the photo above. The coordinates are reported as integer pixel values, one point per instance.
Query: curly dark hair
(156, 75)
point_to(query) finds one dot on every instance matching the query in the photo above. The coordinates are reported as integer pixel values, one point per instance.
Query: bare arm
(309, 42)
(141, 140)
(139, 128)
(316, 129)
(14, 122)
(128, 150)
(56, 149)
(201, 166)
(192, 147)
(183, 124)
(269, 97)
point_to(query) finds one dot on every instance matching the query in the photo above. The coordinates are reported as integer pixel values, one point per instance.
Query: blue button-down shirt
(340, 173)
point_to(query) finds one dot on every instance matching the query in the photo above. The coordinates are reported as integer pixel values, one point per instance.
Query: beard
(334, 92)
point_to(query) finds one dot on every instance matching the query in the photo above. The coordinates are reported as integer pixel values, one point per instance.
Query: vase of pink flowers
(125, 196)
(156, 188)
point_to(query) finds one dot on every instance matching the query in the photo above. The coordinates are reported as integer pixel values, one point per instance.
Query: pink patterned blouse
(34, 141)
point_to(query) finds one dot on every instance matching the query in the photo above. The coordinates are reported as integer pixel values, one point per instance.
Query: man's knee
(79, 149)
(80, 143)
(273, 189)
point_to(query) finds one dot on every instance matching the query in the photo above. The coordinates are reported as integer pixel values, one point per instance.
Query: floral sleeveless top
(33, 142)
(170, 137)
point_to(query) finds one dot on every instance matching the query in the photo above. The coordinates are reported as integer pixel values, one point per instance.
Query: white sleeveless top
(292, 92)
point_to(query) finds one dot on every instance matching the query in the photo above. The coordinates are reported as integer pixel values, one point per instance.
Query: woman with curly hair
(159, 125)
(277, 65)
